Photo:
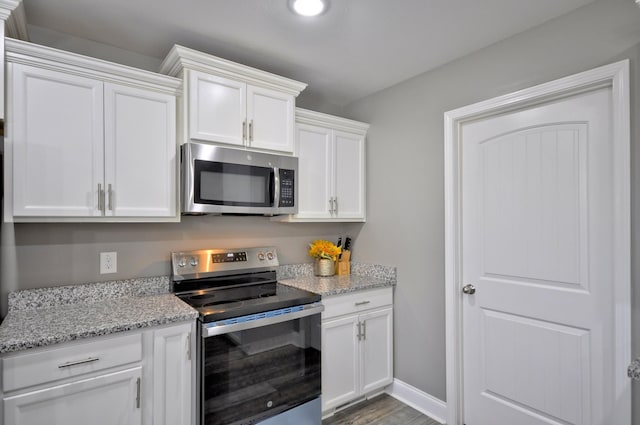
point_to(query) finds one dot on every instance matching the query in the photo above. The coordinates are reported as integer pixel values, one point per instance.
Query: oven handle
(308, 310)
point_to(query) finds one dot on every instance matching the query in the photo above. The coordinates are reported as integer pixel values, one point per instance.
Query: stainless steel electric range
(259, 343)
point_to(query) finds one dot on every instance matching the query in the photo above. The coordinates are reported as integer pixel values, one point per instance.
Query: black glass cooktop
(224, 298)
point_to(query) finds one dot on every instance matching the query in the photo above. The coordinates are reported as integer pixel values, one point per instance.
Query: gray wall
(406, 168)
(40, 255)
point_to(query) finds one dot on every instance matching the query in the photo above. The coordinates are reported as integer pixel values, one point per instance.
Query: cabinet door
(104, 400)
(377, 349)
(315, 178)
(271, 118)
(140, 152)
(217, 108)
(172, 384)
(56, 138)
(350, 175)
(340, 369)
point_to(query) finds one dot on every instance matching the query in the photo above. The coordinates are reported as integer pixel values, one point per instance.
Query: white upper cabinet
(233, 104)
(331, 168)
(349, 174)
(271, 119)
(217, 109)
(315, 174)
(140, 152)
(88, 140)
(56, 132)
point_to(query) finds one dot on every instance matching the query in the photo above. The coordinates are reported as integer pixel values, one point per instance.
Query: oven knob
(270, 256)
(194, 261)
(261, 256)
(182, 262)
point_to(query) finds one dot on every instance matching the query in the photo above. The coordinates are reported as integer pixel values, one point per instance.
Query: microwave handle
(275, 187)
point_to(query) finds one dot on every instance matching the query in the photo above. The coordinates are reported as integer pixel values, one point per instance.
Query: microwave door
(221, 187)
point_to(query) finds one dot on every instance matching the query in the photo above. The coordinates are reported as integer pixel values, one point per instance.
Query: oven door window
(254, 374)
(220, 183)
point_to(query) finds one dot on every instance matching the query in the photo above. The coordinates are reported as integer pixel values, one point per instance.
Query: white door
(377, 349)
(172, 375)
(315, 178)
(104, 400)
(217, 108)
(349, 172)
(270, 117)
(340, 361)
(57, 141)
(140, 152)
(538, 226)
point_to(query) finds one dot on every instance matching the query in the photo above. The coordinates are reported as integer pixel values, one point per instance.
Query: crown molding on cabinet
(46, 57)
(181, 57)
(305, 116)
(8, 6)
(15, 19)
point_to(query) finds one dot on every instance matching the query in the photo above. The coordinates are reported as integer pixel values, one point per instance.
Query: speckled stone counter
(48, 316)
(362, 277)
(634, 369)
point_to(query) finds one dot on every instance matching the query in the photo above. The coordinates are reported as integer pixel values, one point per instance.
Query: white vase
(324, 267)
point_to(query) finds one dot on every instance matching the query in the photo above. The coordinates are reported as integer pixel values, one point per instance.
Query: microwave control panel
(287, 188)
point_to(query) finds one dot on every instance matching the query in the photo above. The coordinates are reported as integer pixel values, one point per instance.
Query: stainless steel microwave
(218, 180)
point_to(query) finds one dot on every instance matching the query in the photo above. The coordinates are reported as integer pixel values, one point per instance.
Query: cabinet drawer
(69, 360)
(337, 305)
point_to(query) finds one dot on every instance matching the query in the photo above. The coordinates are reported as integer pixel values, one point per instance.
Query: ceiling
(356, 48)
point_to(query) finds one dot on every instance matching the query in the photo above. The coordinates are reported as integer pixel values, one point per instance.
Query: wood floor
(380, 410)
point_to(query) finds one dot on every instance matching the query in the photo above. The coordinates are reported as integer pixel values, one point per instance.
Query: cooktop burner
(218, 304)
(229, 284)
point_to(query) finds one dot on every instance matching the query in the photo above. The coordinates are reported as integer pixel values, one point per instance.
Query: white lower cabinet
(103, 400)
(135, 378)
(172, 373)
(357, 346)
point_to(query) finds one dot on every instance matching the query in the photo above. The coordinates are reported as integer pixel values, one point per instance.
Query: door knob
(469, 289)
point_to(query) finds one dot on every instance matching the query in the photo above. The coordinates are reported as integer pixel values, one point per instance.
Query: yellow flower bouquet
(324, 249)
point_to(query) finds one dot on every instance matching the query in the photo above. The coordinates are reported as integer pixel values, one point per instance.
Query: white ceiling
(356, 48)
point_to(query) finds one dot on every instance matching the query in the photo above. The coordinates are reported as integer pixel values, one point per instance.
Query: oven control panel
(228, 257)
(188, 264)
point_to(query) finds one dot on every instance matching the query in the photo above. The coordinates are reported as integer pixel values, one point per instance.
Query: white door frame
(615, 76)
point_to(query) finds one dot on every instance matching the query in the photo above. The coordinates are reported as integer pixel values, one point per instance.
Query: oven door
(259, 366)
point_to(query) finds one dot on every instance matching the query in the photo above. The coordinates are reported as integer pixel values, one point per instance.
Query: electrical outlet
(108, 262)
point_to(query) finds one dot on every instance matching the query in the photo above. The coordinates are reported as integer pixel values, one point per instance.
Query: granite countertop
(46, 316)
(42, 317)
(634, 369)
(362, 277)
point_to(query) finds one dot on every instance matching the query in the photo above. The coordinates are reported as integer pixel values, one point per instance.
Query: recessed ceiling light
(308, 7)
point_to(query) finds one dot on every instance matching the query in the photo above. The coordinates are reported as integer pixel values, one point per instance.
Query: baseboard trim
(419, 400)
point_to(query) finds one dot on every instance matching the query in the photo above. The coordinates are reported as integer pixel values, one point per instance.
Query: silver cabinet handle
(469, 289)
(100, 197)
(364, 330)
(244, 131)
(110, 193)
(359, 331)
(189, 346)
(362, 303)
(335, 208)
(251, 131)
(79, 362)
(331, 206)
(138, 393)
